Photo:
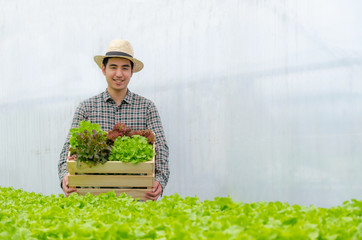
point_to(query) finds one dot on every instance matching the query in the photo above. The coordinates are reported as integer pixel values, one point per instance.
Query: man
(119, 104)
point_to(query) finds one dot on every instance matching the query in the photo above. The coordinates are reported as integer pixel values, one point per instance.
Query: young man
(118, 104)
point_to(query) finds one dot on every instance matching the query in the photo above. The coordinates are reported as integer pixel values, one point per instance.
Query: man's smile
(118, 80)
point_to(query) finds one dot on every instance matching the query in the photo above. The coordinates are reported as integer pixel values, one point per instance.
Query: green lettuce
(133, 150)
(25, 215)
(89, 143)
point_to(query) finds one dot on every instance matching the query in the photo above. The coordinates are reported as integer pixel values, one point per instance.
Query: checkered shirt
(136, 112)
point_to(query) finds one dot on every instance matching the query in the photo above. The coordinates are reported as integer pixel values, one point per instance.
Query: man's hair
(105, 61)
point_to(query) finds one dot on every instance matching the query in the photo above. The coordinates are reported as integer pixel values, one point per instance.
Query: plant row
(25, 215)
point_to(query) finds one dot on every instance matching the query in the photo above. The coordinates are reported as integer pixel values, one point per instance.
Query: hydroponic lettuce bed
(25, 215)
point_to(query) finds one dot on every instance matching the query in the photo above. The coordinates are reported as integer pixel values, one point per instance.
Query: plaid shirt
(136, 112)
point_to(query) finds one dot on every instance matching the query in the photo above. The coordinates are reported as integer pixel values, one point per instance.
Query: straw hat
(122, 49)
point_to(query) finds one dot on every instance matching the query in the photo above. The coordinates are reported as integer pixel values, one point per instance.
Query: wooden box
(132, 179)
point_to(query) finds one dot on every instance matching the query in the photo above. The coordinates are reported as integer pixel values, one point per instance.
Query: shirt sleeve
(79, 115)
(161, 159)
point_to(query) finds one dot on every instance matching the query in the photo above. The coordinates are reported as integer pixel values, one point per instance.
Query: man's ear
(104, 70)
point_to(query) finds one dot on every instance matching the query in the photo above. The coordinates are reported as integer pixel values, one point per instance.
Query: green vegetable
(134, 150)
(84, 126)
(147, 133)
(89, 144)
(25, 215)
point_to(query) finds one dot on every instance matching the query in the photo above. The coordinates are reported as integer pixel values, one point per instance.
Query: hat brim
(137, 64)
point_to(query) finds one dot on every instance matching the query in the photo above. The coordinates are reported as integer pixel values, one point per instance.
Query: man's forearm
(62, 166)
(79, 115)
(161, 165)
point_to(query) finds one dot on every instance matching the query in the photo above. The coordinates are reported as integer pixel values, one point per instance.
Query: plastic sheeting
(260, 100)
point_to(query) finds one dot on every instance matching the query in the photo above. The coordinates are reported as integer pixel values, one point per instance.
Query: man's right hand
(67, 190)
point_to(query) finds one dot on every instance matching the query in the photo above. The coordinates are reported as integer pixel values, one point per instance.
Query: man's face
(118, 73)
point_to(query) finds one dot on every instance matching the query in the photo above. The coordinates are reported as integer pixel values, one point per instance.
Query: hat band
(115, 53)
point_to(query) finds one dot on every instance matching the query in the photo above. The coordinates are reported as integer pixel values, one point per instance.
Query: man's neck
(117, 96)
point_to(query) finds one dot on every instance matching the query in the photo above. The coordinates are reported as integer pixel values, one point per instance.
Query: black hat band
(118, 54)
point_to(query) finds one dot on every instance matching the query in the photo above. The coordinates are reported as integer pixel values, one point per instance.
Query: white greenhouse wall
(260, 100)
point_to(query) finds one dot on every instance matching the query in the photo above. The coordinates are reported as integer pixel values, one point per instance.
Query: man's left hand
(156, 191)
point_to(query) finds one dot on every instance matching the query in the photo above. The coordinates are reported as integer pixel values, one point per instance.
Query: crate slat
(112, 167)
(110, 181)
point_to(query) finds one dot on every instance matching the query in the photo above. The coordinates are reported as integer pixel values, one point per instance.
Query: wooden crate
(121, 178)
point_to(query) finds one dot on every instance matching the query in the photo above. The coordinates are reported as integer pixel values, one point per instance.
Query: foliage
(147, 133)
(25, 215)
(119, 130)
(89, 144)
(134, 150)
(84, 126)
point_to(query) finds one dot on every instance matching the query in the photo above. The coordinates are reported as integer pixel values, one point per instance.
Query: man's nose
(119, 73)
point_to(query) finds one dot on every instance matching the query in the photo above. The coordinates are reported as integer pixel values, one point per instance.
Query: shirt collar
(128, 98)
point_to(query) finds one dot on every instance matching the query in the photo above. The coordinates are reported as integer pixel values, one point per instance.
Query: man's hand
(156, 191)
(67, 190)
